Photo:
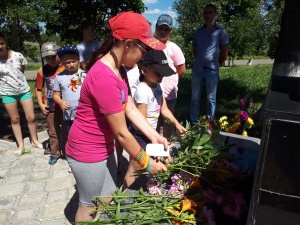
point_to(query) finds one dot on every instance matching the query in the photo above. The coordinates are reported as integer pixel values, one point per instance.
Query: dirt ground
(6, 132)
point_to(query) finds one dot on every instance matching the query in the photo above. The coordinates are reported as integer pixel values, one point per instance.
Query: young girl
(100, 116)
(150, 101)
(13, 88)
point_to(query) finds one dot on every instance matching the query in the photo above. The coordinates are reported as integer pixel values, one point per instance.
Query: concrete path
(32, 192)
(254, 62)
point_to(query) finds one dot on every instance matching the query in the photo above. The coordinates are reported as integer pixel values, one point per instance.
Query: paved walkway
(34, 192)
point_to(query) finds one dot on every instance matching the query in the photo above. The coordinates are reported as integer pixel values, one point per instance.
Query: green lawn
(235, 82)
(33, 66)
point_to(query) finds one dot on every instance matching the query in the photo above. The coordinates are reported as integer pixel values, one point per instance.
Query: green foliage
(70, 13)
(274, 11)
(32, 51)
(20, 20)
(26, 151)
(140, 208)
(189, 19)
(252, 28)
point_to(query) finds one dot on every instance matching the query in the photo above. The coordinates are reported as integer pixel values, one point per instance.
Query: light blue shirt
(208, 47)
(69, 93)
(86, 51)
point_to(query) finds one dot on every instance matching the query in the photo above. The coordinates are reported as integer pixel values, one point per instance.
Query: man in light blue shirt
(210, 48)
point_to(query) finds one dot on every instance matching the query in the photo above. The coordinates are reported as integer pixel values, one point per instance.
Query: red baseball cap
(134, 25)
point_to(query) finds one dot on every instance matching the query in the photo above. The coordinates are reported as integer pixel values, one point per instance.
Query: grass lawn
(235, 82)
(33, 66)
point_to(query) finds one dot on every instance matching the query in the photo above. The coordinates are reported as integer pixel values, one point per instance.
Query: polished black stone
(276, 196)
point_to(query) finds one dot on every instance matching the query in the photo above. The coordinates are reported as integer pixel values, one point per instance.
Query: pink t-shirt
(175, 57)
(91, 138)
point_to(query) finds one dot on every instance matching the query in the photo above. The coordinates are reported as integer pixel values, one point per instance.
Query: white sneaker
(70, 170)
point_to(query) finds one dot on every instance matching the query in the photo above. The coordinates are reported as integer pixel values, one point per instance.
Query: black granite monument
(276, 189)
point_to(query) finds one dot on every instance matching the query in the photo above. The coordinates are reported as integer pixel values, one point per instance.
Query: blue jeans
(211, 79)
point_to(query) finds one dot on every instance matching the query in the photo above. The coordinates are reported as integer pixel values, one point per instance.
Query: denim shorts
(8, 99)
(94, 179)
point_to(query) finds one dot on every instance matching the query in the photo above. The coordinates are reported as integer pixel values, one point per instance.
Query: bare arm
(166, 113)
(181, 70)
(83, 65)
(223, 55)
(57, 99)
(140, 121)
(39, 98)
(143, 109)
(118, 125)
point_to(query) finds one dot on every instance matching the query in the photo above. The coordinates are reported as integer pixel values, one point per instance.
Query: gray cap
(49, 48)
(165, 19)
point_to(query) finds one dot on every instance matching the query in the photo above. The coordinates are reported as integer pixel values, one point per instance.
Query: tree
(242, 19)
(69, 14)
(20, 19)
(273, 10)
(189, 19)
(285, 72)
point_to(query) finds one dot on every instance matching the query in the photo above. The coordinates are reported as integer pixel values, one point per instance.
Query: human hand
(158, 139)
(157, 167)
(182, 131)
(64, 105)
(44, 108)
(157, 151)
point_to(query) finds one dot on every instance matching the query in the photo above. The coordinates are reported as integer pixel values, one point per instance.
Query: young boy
(67, 86)
(44, 90)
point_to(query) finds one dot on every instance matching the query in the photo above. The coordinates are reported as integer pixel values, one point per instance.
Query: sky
(156, 8)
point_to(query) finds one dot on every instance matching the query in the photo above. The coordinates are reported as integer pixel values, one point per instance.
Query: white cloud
(150, 1)
(159, 12)
(153, 12)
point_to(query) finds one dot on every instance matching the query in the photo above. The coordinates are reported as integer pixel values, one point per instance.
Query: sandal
(18, 152)
(40, 146)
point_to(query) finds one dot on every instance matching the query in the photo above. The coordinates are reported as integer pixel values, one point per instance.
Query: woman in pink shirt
(100, 116)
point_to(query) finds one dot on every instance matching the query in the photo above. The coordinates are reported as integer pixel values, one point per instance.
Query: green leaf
(204, 139)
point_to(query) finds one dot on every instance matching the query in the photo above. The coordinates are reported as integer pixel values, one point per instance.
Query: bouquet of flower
(200, 181)
(241, 121)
